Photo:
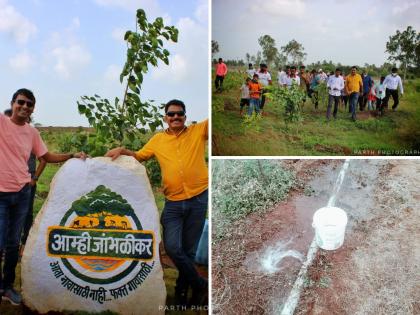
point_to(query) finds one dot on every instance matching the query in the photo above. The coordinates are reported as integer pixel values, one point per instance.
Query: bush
(244, 186)
(95, 145)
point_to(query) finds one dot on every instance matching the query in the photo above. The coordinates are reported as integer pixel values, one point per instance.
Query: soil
(239, 285)
(372, 273)
(375, 271)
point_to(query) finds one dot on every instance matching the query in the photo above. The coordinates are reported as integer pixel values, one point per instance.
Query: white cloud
(406, 13)
(372, 11)
(201, 12)
(75, 23)
(147, 5)
(21, 62)
(176, 71)
(15, 24)
(69, 59)
(112, 73)
(65, 53)
(167, 20)
(188, 58)
(118, 34)
(285, 8)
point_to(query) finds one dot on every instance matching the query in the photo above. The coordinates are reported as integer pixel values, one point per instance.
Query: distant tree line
(403, 48)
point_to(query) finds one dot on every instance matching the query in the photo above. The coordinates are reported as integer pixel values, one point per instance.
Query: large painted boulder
(94, 245)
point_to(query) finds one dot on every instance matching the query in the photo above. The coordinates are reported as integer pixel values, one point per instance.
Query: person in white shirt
(293, 78)
(391, 84)
(323, 76)
(380, 96)
(244, 95)
(251, 71)
(264, 77)
(335, 84)
(282, 76)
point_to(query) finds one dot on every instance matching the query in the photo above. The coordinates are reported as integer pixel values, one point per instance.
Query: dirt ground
(377, 269)
(374, 272)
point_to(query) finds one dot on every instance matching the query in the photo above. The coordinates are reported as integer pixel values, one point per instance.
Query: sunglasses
(23, 102)
(172, 114)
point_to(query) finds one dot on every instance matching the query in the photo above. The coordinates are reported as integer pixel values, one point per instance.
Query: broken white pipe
(338, 183)
(293, 298)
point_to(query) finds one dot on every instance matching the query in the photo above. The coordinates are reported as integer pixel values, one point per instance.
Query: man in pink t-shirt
(18, 140)
(221, 70)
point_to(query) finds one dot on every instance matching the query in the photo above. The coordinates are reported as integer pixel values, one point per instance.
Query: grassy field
(396, 133)
(43, 186)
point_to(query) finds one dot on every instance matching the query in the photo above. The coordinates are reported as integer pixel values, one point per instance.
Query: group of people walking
(357, 90)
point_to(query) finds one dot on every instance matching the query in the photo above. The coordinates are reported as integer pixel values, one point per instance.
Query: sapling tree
(127, 118)
(322, 91)
(289, 98)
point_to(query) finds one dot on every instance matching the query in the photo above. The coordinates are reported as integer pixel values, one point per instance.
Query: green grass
(241, 187)
(43, 187)
(389, 135)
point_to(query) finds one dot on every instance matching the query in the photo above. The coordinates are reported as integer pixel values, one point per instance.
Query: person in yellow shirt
(353, 86)
(180, 151)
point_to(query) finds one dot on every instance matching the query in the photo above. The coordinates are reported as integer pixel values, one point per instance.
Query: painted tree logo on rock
(100, 239)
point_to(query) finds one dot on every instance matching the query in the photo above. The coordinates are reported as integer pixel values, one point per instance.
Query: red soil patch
(237, 288)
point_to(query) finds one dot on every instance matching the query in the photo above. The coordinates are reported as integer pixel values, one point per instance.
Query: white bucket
(330, 225)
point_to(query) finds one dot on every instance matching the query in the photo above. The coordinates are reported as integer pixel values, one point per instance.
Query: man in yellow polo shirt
(353, 86)
(180, 151)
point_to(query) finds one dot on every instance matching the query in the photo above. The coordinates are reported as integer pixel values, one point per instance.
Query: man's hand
(33, 182)
(114, 153)
(80, 155)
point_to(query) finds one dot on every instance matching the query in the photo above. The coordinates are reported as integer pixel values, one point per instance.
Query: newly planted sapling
(322, 90)
(289, 98)
(252, 122)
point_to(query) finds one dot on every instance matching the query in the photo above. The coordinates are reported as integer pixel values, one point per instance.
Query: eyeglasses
(181, 113)
(29, 104)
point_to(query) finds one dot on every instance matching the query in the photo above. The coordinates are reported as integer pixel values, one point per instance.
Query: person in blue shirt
(367, 85)
(314, 82)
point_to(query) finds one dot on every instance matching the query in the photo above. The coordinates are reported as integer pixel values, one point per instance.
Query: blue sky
(350, 32)
(65, 49)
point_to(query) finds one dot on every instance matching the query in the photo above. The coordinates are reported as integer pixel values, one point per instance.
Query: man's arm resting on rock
(115, 153)
(57, 158)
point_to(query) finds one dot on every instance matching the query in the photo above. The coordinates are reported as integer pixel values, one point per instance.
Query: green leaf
(82, 108)
(128, 33)
(174, 35)
(131, 137)
(133, 88)
(152, 127)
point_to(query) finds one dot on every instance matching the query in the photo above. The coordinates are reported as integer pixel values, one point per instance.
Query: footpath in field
(255, 267)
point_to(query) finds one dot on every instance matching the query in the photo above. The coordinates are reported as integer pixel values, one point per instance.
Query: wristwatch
(35, 177)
